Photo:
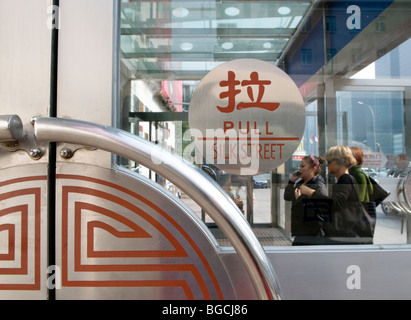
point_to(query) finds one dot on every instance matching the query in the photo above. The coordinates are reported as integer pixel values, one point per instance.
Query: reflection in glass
(354, 83)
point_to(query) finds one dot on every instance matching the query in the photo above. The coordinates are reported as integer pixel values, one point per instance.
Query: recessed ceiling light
(232, 11)
(227, 45)
(180, 12)
(267, 45)
(284, 10)
(186, 46)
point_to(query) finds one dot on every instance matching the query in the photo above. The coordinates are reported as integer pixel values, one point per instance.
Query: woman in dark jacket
(304, 226)
(347, 221)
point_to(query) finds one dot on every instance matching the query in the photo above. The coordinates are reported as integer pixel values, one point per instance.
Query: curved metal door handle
(206, 192)
(11, 128)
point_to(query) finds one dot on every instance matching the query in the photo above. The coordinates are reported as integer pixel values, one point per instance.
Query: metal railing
(206, 192)
(11, 128)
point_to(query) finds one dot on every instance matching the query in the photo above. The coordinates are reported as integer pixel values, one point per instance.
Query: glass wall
(349, 60)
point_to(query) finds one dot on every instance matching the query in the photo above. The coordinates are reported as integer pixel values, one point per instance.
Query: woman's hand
(294, 176)
(306, 190)
(297, 193)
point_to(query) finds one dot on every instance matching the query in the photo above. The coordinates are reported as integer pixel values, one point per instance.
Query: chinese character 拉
(231, 93)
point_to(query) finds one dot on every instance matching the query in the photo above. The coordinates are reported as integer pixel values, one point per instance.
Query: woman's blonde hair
(342, 154)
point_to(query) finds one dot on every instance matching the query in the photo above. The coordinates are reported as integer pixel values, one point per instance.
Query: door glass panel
(374, 121)
(353, 75)
(166, 47)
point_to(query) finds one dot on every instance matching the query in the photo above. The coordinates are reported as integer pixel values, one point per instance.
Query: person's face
(307, 171)
(332, 166)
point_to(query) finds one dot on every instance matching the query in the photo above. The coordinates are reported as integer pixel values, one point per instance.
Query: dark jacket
(301, 224)
(349, 220)
(344, 191)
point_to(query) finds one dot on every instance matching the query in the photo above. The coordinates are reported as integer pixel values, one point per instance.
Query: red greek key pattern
(20, 226)
(85, 221)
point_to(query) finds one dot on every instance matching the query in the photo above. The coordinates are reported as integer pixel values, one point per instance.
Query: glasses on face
(329, 161)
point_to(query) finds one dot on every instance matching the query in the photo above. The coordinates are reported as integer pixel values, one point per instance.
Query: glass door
(167, 47)
(375, 119)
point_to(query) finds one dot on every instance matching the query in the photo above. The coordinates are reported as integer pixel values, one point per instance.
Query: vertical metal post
(321, 123)
(52, 154)
(322, 141)
(275, 197)
(250, 201)
(330, 113)
(407, 121)
(407, 143)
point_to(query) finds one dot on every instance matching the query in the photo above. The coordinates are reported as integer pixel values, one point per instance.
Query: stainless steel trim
(11, 128)
(405, 190)
(206, 192)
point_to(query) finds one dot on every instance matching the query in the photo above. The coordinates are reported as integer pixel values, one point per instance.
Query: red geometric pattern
(81, 255)
(20, 224)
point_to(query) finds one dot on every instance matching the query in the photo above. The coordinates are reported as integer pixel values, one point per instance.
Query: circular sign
(247, 117)
(402, 161)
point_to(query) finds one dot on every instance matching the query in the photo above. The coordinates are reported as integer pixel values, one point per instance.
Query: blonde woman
(346, 222)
